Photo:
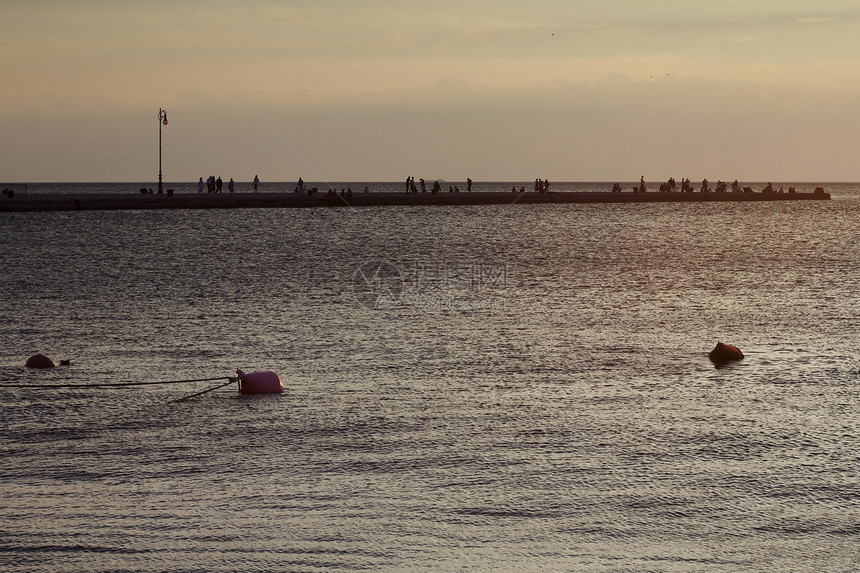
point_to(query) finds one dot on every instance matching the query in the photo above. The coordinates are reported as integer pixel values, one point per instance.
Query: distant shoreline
(118, 202)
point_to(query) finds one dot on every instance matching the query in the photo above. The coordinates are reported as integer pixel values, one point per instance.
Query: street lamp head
(165, 118)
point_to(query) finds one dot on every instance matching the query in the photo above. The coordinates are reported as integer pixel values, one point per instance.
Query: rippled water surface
(466, 388)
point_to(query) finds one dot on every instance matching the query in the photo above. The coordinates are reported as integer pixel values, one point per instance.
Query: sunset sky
(337, 90)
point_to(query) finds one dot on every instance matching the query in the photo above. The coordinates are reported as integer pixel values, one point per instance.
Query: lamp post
(162, 119)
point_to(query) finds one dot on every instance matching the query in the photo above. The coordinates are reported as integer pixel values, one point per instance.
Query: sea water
(472, 388)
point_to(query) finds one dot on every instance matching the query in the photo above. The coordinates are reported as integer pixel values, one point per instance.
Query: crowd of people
(670, 186)
(436, 188)
(213, 185)
(216, 185)
(541, 186)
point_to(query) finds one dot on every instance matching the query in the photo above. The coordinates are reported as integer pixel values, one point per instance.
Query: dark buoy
(39, 361)
(725, 353)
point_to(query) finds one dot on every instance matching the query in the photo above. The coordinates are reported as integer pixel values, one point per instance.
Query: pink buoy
(39, 361)
(260, 383)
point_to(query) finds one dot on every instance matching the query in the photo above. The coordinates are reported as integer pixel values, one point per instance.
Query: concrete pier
(107, 201)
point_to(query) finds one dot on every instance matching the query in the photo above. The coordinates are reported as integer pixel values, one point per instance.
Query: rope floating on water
(116, 384)
(184, 398)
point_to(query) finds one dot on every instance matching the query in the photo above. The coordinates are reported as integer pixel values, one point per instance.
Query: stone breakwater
(106, 201)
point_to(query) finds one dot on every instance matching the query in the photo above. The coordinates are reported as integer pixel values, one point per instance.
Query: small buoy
(260, 383)
(39, 361)
(724, 353)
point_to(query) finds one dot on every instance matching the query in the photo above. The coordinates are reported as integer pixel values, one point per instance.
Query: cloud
(814, 20)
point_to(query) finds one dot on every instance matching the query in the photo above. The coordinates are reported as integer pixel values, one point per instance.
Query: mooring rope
(184, 398)
(115, 384)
